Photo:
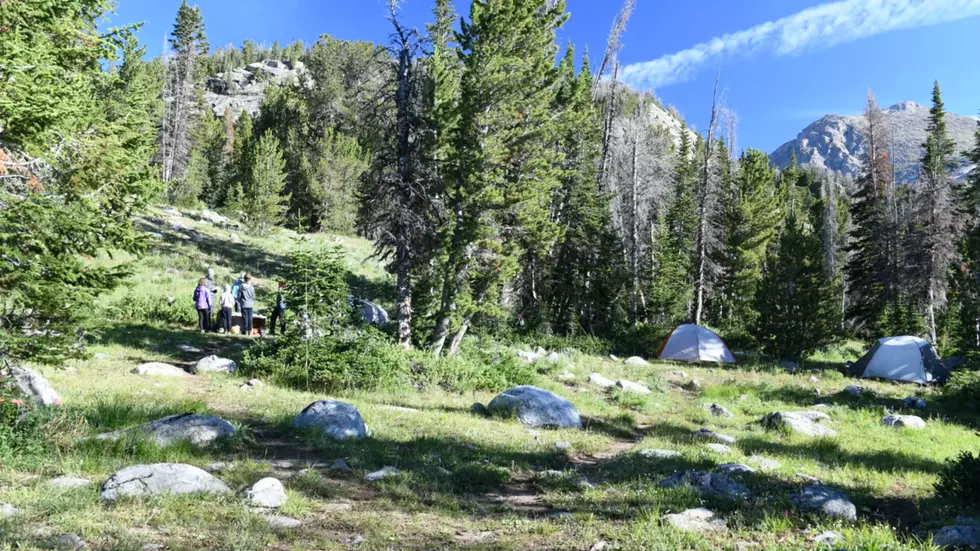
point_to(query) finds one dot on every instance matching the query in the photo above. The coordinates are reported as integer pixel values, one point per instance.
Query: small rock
(480, 410)
(385, 472)
(615, 358)
(69, 482)
(553, 357)
(854, 390)
(735, 468)
(160, 478)
(8, 510)
(337, 420)
(563, 445)
(283, 522)
(718, 448)
(814, 379)
(957, 536)
(159, 369)
(630, 386)
(707, 483)
(825, 501)
(707, 434)
(659, 454)
(678, 373)
(566, 376)
(600, 381)
(764, 463)
(600, 546)
(692, 386)
(71, 542)
(696, 520)
(913, 402)
(100, 356)
(807, 478)
(718, 410)
(267, 492)
(743, 397)
(903, 421)
(34, 386)
(826, 538)
(153, 547)
(818, 392)
(189, 348)
(255, 383)
(214, 364)
(802, 422)
(637, 361)
(550, 473)
(582, 483)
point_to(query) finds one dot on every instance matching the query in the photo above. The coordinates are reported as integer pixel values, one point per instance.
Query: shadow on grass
(829, 452)
(166, 341)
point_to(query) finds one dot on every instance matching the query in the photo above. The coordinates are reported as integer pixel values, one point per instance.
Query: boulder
(660, 454)
(826, 501)
(339, 465)
(718, 485)
(718, 410)
(696, 520)
(536, 407)
(630, 386)
(286, 523)
(199, 429)
(480, 410)
(338, 420)
(718, 448)
(637, 361)
(903, 421)
(692, 386)
(678, 373)
(854, 390)
(70, 542)
(709, 435)
(529, 357)
(213, 217)
(735, 468)
(957, 536)
(372, 314)
(614, 358)
(268, 493)
(100, 356)
(600, 381)
(214, 364)
(158, 369)
(384, 472)
(34, 387)
(68, 483)
(800, 422)
(161, 478)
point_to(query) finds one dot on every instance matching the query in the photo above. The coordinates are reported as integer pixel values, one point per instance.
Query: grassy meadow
(465, 482)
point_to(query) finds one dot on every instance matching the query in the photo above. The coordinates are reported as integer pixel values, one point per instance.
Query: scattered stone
(826, 538)
(553, 357)
(189, 348)
(615, 358)
(826, 501)
(600, 381)
(957, 536)
(854, 390)
(385, 472)
(707, 483)
(735, 468)
(214, 364)
(480, 410)
(8, 510)
(563, 445)
(913, 402)
(218, 467)
(71, 542)
(764, 463)
(199, 429)
(566, 376)
(160, 478)
(791, 366)
(660, 454)
(286, 523)
(34, 387)
(354, 540)
(814, 379)
(696, 520)
(538, 351)
(718, 448)
(100, 356)
(251, 385)
(678, 373)
(718, 410)
(600, 546)
(158, 369)
(903, 421)
(818, 392)
(582, 483)
(630, 386)
(535, 407)
(69, 482)
(529, 357)
(550, 473)
(693, 386)
(154, 547)
(637, 361)
(267, 492)
(807, 478)
(743, 397)
(705, 433)
(338, 420)
(801, 422)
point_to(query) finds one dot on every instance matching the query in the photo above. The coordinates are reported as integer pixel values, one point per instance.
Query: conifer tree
(264, 202)
(967, 274)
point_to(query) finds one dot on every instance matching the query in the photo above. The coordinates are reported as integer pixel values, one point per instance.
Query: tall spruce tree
(264, 202)
(967, 275)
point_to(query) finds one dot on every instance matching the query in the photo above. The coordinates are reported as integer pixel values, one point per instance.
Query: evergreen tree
(967, 274)
(264, 202)
(239, 171)
(795, 301)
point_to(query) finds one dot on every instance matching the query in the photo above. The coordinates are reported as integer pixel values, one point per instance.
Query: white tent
(691, 343)
(908, 359)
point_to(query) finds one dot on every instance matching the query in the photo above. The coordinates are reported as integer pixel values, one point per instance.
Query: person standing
(246, 300)
(209, 282)
(227, 305)
(279, 312)
(203, 301)
(236, 290)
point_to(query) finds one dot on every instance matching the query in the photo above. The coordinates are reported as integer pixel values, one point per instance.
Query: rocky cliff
(242, 89)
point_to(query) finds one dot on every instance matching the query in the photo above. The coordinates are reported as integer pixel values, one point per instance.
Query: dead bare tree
(613, 45)
(707, 240)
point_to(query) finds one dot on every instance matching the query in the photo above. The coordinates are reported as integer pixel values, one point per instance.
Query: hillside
(834, 142)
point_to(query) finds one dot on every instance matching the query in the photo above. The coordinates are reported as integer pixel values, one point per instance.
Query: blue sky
(783, 63)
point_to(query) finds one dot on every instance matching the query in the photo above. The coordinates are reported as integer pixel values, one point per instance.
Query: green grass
(466, 481)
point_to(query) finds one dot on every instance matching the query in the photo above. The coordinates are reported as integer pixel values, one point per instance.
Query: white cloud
(819, 27)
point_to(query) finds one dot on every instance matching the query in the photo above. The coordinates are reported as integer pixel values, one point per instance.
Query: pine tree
(967, 274)
(264, 201)
(239, 171)
(795, 301)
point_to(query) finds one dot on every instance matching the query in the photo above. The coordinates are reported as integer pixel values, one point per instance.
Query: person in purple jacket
(203, 301)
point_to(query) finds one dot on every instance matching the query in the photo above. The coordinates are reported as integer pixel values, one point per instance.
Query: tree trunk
(634, 236)
(457, 339)
(701, 248)
(607, 129)
(403, 264)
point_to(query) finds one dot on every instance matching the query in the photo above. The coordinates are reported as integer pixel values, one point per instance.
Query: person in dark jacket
(279, 311)
(246, 299)
(203, 301)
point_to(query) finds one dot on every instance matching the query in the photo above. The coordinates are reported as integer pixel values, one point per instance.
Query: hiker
(279, 311)
(209, 283)
(236, 289)
(246, 301)
(203, 301)
(227, 305)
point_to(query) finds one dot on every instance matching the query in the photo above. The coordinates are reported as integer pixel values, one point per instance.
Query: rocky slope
(834, 142)
(242, 89)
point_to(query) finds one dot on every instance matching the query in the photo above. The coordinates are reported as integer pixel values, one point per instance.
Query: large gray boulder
(200, 430)
(34, 387)
(826, 501)
(903, 421)
(957, 536)
(719, 485)
(161, 478)
(159, 369)
(696, 520)
(800, 422)
(536, 407)
(214, 364)
(338, 420)
(268, 493)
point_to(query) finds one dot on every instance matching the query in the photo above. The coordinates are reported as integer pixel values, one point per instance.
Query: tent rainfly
(692, 343)
(908, 359)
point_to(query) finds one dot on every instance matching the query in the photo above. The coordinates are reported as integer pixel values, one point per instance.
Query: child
(227, 304)
(203, 301)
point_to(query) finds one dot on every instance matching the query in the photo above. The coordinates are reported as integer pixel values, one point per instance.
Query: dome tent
(908, 359)
(692, 343)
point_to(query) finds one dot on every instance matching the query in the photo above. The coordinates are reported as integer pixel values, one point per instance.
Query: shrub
(964, 385)
(21, 426)
(474, 368)
(138, 308)
(960, 479)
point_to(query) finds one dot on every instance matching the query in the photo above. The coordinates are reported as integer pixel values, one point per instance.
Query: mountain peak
(906, 106)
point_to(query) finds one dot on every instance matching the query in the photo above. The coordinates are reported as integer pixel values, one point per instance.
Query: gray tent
(908, 359)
